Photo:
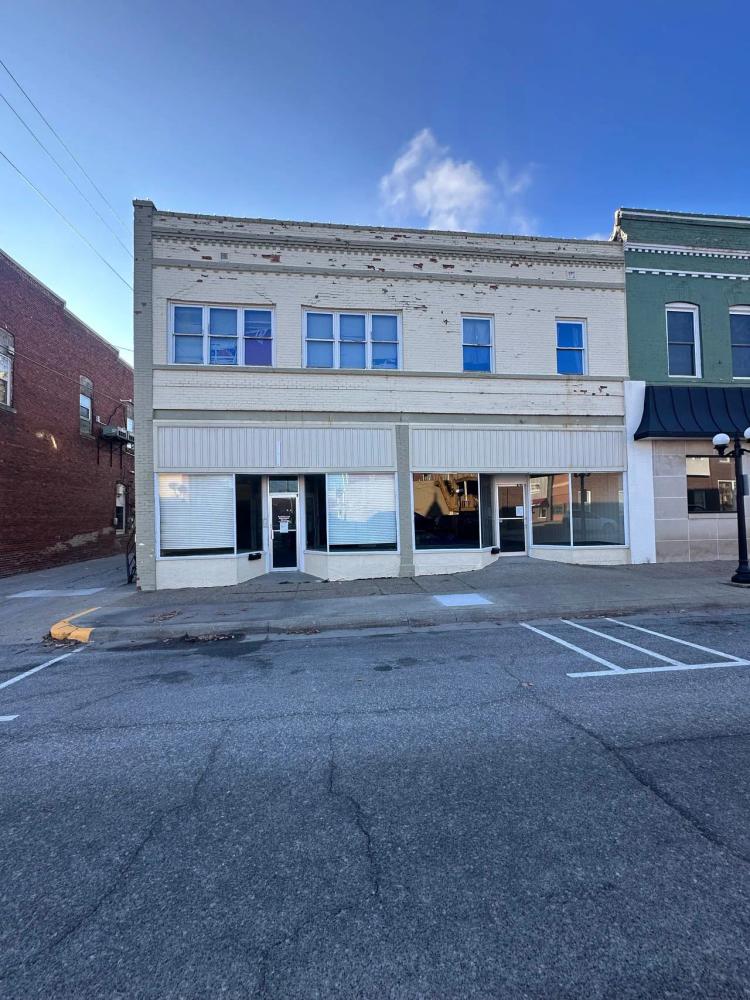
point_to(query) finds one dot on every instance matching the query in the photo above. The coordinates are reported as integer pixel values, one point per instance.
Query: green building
(688, 304)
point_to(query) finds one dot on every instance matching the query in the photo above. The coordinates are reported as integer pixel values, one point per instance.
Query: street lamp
(721, 443)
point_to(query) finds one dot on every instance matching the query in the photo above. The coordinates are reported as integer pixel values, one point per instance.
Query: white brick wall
(430, 287)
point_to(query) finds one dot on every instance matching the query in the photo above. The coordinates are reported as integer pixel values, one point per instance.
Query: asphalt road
(444, 814)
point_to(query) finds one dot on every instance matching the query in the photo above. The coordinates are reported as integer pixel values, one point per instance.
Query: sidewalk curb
(64, 631)
(307, 627)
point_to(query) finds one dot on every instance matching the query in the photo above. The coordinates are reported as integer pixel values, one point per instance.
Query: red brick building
(66, 484)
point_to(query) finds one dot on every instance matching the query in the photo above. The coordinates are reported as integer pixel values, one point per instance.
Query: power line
(65, 173)
(66, 220)
(68, 150)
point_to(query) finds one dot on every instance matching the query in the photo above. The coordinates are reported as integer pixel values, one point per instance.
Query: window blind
(361, 509)
(196, 512)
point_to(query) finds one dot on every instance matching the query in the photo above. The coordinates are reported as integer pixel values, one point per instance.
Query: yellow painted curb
(73, 633)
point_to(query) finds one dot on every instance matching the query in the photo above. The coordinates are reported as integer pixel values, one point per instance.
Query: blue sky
(538, 117)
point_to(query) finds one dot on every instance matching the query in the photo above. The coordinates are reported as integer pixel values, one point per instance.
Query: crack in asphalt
(189, 803)
(638, 773)
(360, 820)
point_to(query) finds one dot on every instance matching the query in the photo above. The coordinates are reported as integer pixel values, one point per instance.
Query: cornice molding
(672, 272)
(405, 246)
(333, 272)
(683, 251)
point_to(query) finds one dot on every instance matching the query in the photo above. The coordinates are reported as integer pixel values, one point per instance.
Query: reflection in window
(446, 510)
(550, 509)
(351, 340)
(710, 485)
(598, 509)
(6, 367)
(258, 337)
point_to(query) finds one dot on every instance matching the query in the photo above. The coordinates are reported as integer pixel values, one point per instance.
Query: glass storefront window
(711, 487)
(351, 512)
(598, 509)
(446, 510)
(550, 509)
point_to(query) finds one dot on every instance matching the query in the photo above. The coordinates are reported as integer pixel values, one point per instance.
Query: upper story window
(218, 335)
(476, 339)
(6, 368)
(351, 340)
(683, 339)
(86, 405)
(739, 325)
(571, 347)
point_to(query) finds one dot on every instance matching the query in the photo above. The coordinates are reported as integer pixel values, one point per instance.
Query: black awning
(692, 411)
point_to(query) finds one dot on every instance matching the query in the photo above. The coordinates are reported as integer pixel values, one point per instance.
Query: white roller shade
(361, 509)
(196, 512)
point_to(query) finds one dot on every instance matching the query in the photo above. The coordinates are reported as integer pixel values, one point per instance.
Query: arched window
(6, 368)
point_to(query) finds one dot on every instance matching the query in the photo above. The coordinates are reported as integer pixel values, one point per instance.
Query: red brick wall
(56, 504)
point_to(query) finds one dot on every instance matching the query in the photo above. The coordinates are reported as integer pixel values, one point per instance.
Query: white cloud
(427, 185)
(597, 236)
(425, 181)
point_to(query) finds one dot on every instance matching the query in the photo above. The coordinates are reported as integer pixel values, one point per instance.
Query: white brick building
(358, 402)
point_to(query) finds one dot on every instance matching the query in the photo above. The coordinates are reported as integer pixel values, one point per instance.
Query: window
(196, 514)
(248, 505)
(120, 504)
(476, 337)
(315, 513)
(711, 487)
(85, 403)
(358, 340)
(571, 347)
(550, 509)
(683, 340)
(739, 325)
(598, 509)
(218, 335)
(351, 512)
(590, 504)
(6, 368)
(446, 510)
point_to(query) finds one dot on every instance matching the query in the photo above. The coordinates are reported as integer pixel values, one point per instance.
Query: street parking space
(621, 647)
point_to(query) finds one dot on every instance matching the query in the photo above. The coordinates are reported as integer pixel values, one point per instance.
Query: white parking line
(611, 667)
(7, 718)
(661, 670)
(623, 642)
(28, 673)
(682, 642)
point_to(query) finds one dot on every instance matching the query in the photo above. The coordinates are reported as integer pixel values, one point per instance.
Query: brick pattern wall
(56, 504)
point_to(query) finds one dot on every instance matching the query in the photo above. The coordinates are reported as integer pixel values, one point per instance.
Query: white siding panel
(239, 448)
(489, 449)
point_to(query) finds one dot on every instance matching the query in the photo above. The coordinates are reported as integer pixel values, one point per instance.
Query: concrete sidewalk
(509, 590)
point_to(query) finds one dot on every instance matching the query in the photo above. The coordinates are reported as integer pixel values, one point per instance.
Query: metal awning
(691, 411)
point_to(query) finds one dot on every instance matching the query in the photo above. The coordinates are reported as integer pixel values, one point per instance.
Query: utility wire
(65, 173)
(66, 220)
(68, 150)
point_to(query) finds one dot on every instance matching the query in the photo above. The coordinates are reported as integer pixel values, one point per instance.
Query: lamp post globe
(721, 442)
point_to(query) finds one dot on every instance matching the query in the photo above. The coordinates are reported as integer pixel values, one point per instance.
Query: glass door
(283, 532)
(511, 518)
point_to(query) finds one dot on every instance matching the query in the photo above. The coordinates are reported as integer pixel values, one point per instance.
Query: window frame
(571, 533)
(336, 340)
(690, 307)
(487, 317)
(480, 510)
(329, 550)
(583, 350)
(205, 334)
(81, 396)
(8, 352)
(738, 310)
